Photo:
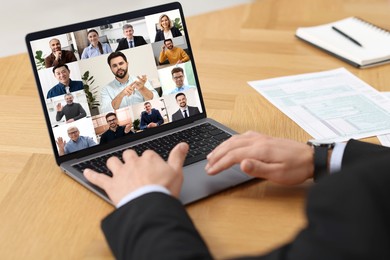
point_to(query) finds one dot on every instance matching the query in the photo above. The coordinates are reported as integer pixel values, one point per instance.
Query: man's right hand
(129, 90)
(279, 160)
(59, 107)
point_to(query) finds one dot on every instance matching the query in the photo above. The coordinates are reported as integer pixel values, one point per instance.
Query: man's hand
(58, 54)
(59, 107)
(61, 145)
(140, 82)
(151, 125)
(136, 172)
(279, 160)
(129, 90)
(128, 128)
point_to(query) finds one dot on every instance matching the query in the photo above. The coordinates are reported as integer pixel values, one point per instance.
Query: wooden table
(46, 215)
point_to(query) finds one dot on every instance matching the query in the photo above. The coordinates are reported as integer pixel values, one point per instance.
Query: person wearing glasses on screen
(95, 47)
(114, 129)
(167, 31)
(76, 142)
(173, 54)
(178, 77)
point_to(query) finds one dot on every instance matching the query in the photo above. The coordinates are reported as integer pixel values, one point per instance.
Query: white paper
(332, 105)
(385, 139)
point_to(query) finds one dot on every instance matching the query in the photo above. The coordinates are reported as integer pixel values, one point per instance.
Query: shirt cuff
(142, 191)
(337, 157)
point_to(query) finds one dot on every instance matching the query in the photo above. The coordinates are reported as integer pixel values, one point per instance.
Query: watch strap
(320, 162)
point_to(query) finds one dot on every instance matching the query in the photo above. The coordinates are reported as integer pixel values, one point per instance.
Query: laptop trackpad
(197, 184)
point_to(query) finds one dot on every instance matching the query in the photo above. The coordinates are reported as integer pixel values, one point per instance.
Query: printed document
(385, 139)
(332, 105)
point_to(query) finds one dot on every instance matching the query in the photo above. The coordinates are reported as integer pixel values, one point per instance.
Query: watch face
(321, 143)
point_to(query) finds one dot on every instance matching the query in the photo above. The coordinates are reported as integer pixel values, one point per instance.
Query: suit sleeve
(358, 150)
(348, 216)
(153, 226)
(140, 41)
(121, 45)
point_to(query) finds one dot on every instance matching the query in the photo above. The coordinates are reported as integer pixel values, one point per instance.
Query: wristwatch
(320, 158)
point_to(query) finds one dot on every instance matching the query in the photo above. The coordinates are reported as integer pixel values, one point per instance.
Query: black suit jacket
(160, 34)
(123, 44)
(348, 218)
(179, 115)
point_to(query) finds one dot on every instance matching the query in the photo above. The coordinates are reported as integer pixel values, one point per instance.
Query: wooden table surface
(46, 215)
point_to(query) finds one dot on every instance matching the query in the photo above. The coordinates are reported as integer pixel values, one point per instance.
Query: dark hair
(59, 66)
(179, 94)
(99, 43)
(147, 102)
(114, 55)
(176, 70)
(168, 40)
(110, 114)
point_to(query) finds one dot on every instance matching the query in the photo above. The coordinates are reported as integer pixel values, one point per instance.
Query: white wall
(19, 17)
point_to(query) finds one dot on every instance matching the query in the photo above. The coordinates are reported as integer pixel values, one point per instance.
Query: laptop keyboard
(202, 139)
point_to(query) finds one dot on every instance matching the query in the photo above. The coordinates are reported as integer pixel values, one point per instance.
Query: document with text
(385, 139)
(333, 105)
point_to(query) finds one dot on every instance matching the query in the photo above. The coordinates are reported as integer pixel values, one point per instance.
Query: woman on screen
(167, 31)
(95, 48)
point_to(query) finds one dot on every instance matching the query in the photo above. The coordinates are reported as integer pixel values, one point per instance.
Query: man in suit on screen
(184, 110)
(130, 41)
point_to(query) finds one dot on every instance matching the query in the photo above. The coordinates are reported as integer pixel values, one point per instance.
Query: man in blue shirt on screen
(65, 84)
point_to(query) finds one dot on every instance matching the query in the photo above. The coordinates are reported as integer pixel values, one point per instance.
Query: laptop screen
(115, 78)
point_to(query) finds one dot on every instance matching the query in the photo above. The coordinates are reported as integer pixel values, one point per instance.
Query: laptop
(89, 76)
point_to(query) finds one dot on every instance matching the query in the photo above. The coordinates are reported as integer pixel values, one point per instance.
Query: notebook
(101, 95)
(352, 39)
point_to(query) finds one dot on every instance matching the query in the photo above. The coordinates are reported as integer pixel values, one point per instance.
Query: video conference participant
(95, 48)
(72, 111)
(174, 55)
(167, 30)
(58, 56)
(184, 110)
(151, 117)
(125, 90)
(65, 84)
(76, 142)
(178, 78)
(130, 40)
(114, 131)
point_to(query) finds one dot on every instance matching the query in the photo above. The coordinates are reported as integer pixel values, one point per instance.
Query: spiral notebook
(354, 40)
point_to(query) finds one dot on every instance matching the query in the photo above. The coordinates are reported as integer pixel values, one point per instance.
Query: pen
(347, 36)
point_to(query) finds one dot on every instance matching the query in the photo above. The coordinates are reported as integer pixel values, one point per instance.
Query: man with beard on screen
(125, 90)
